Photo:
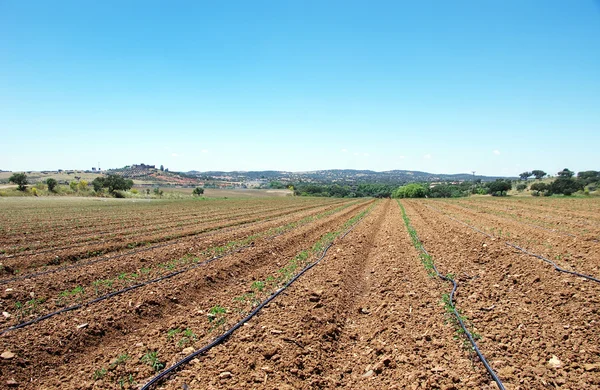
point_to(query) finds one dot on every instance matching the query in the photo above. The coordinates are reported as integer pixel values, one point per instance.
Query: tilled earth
(368, 316)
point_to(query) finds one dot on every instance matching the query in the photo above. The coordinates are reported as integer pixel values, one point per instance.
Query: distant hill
(342, 176)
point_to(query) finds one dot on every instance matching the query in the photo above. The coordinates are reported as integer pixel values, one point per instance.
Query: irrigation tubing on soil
(151, 231)
(223, 337)
(205, 233)
(487, 366)
(133, 287)
(119, 292)
(553, 264)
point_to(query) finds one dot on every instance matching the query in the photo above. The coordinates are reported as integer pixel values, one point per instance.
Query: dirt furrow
(538, 328)
(368, 316)
(139, 322)
(575, 253)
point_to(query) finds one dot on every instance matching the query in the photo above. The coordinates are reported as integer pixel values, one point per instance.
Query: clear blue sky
(497, 87)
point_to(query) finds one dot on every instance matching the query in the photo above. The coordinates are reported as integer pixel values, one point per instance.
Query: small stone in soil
(7, 355)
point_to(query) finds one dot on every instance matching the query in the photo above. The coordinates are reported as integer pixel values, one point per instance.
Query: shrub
(499, 187)
(198, 191)
(73, 186)
(51, 183)
(20, 179)
(83, 184)
(521, 187)
(410, 191)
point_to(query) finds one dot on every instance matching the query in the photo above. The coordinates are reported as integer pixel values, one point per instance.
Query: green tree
(410, 191)
(20, 179)
(198, 191)
(525, 175)
(73, 185)
(162, 167)
(51, 183)
(98, 184)
(565, 174)
(117, 183)
(565, 183)
(499, 187)
(538, 174)
(539, 187)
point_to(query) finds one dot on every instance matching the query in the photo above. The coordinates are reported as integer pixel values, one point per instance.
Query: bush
(73, 186)
(83, 184)
(521, 187)
(499, 187)
(51, 183)
(410, 191)
(198, 191)
(20, 179)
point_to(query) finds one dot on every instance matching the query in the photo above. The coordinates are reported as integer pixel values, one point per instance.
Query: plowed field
(321, 293)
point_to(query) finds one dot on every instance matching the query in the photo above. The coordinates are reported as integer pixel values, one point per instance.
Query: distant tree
(565, 183)
(51, 183)
(588, 177)
(98, 184)
(158, 192)
(276, 185)
(539, 187)
(117, 183)
(521, 187)
(20, 179)
(162, 167)
(525, 175)
(499, 187)
(410, 191)
(565, 173)
(198, 191)
(538, 174)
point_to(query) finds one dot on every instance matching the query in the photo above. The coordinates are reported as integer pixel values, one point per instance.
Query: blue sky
(496, 87)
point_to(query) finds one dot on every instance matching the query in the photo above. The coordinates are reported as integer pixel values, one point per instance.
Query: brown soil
(367, 317)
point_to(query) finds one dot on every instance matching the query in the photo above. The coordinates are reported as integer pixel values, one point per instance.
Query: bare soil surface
(368, 316)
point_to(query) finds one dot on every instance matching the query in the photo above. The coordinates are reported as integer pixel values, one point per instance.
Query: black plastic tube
(203, 234)
(220, 339)
(556, 267)
(457, 315)
(126, 289)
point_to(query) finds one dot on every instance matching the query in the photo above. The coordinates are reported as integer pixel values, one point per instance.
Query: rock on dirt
(554, 362)
(7, 355)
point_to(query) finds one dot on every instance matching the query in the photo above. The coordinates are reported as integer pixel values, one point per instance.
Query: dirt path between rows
(367, 317)
(539, 328)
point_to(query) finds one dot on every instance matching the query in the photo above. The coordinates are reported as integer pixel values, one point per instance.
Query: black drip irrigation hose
(152, 231)
(135, 286)
(119, 292)
(553, 264)
(487, 366)
(223, 337)
(203, 234)
(560, 232)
